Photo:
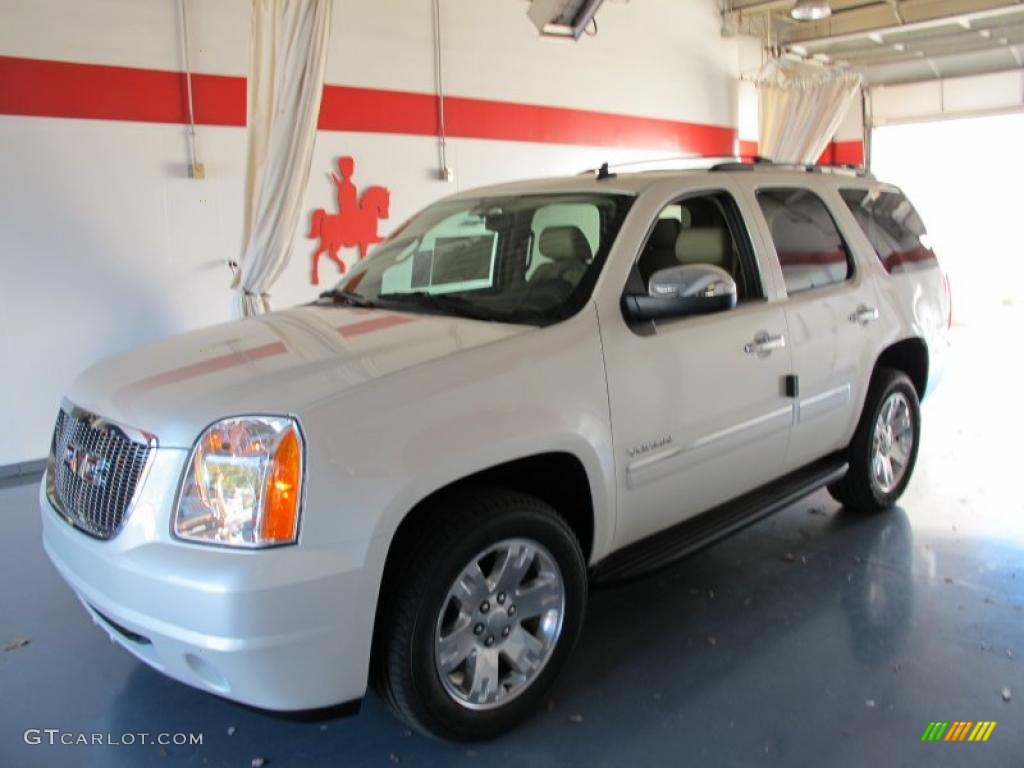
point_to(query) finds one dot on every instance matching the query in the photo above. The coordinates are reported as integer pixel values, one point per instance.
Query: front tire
(883, 451)
(483, 616)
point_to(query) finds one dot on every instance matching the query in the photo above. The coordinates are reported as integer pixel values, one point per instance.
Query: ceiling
(893, 41)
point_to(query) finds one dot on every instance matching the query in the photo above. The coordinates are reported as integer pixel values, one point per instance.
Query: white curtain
(286, 80)
(801, 106)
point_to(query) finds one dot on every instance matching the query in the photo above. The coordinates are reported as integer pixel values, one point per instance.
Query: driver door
(698, 404)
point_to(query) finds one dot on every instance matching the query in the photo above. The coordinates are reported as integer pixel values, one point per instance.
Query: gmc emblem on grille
(91, 469)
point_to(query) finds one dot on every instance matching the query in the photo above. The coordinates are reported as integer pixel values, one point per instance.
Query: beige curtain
(801, 106)
(286, 80)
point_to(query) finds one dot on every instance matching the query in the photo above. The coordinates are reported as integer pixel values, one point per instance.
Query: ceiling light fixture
(810, 10)
(563, 18)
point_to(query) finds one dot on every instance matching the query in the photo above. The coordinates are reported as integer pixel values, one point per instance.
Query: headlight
(243, 484)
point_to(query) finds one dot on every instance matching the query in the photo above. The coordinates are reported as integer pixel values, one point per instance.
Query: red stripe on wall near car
(345, 108)
(836, 153)
(843, 153)
(748, 149)
(42, 88)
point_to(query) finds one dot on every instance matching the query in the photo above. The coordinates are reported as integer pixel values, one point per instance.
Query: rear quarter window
(893, 227)
(811, 251)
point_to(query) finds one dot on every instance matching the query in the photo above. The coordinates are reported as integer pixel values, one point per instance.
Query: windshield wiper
(444, 303)
(354, 299)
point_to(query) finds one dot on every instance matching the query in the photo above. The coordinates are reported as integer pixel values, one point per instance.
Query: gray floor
(814, 638)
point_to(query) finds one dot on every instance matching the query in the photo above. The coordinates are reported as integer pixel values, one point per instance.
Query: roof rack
(764, 163)
(673, 163)
(719, 163)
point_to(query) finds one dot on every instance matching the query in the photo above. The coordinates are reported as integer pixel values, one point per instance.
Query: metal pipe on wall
(195, 168)
(444, 171)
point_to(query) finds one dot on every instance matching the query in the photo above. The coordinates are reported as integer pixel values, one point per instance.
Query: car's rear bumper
(281, 629)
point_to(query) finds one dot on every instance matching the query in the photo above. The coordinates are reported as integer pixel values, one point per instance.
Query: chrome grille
(95, 469)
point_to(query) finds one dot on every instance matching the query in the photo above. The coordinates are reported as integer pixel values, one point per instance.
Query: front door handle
(764, 343)
(864, 315)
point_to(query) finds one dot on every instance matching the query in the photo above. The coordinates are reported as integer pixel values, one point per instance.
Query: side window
(893, 227)
(700, 230)
(811, 251)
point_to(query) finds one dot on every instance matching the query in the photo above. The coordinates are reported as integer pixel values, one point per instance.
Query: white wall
(851, 127)
(105, 243)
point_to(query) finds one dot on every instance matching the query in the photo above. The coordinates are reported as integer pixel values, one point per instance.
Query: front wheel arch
(558, 478)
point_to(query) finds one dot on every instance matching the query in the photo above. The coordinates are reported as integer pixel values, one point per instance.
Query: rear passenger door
(831, 313)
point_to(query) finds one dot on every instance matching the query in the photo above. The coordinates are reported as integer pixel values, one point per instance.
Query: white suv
(525, 390)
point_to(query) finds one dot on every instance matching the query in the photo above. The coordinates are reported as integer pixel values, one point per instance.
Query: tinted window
(893, 227)
(697, 230)
(810, 248)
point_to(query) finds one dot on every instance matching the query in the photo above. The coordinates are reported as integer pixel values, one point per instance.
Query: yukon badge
(643, 448)
(90, 468)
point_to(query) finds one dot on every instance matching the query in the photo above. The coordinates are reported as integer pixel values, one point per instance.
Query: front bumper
(284, 629)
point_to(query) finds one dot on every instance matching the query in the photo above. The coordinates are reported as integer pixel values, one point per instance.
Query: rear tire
(483, 615)
(883, 451)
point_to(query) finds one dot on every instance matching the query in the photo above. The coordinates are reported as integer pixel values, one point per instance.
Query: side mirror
(689, 289)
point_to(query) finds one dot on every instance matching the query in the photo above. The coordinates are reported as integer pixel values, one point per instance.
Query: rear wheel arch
(909, 356)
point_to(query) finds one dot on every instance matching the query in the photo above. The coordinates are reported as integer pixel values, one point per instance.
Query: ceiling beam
(964, 39)
(886, 56)
(920, 14)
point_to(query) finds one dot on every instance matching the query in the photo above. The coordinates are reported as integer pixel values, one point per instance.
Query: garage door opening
(964, 178)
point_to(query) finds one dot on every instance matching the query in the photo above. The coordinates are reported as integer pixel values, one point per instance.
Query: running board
(691, 535)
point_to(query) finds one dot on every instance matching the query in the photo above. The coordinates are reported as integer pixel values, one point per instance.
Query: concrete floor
(815, 638)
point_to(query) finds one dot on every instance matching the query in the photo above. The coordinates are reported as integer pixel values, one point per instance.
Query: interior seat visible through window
(568, 252)
(698, 230)
(707, 239)
(704, 245)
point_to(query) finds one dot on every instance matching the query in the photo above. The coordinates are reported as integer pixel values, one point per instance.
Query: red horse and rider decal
(355, 224)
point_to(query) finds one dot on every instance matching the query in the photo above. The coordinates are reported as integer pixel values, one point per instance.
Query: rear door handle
(864, 315)
(764, 343)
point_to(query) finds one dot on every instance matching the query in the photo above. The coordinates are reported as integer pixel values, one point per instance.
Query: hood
(278, 363)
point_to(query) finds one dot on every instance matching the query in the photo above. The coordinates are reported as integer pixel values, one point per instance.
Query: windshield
(521, 259)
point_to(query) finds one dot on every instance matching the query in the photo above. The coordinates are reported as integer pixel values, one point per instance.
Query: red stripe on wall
(61, 89)
(346, 108)
(843, 153)
(836, 153)
(517, 122)
(848, 152)
(41, 88)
